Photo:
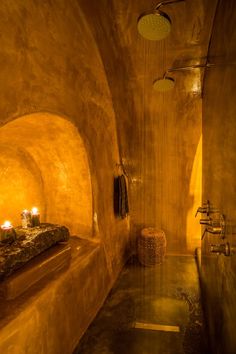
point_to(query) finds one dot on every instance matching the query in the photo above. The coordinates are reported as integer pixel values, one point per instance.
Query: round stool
(151, 246)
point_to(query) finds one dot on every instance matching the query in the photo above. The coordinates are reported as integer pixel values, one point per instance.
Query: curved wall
(20, 183)
(49, 170)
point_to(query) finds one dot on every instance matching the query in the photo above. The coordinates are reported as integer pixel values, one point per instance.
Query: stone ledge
(29, 243)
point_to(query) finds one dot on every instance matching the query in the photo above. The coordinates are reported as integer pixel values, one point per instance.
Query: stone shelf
(29, 243)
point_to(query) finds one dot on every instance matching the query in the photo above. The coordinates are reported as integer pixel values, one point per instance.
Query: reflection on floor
(150, 311)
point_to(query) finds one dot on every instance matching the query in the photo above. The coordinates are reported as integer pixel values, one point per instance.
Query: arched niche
(43, 163)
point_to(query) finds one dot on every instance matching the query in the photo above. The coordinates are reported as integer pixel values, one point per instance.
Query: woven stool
(151, 246)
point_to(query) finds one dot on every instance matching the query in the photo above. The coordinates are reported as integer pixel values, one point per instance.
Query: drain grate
(156, 327)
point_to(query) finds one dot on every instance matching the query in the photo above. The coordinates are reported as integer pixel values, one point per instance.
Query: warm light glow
(195, 192)
(6, 225)
(34, 211)
(51, 182)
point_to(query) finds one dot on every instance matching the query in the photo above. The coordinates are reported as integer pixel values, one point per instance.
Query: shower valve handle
(205, 209)
(201, 210)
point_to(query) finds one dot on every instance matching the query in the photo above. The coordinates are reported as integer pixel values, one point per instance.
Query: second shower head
(167, 83)
(164, 84)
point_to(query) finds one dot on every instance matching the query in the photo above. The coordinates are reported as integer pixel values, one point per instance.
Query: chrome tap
(211, 222)
(223, 248)
(214, 226)
(206, 208)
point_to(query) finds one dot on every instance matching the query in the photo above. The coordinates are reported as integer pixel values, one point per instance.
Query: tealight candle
(26, 219)
(35, 217)
(7, 232)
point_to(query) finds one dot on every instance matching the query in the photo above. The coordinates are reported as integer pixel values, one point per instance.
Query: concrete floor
(166, 295)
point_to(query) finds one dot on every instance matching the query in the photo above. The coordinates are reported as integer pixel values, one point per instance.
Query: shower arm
(167, 2)
(190, 67)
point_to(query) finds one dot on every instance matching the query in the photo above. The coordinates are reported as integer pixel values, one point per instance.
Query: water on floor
(150, 311)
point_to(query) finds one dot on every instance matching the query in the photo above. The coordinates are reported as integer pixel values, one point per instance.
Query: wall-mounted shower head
(164, 84)
(167, 83)
(155, 25)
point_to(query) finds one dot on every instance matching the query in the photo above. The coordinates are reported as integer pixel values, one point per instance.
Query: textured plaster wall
(53, 155)
(219, 176)
(50, 65)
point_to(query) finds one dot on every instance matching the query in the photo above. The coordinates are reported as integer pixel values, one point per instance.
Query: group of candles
(28, 219)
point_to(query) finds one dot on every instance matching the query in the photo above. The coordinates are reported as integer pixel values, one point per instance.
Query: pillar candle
(26, 219)
(35, 217)
(8, 233)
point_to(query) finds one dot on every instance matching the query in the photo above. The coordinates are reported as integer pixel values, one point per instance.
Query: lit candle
(8, 233)
(7, 226)
(26, 219)
(35, 217)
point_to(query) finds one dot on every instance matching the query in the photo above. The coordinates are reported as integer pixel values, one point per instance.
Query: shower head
(155, 25)
(167, 83)
(164, 84)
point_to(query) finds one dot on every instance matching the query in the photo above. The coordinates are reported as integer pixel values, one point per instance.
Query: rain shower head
(164, 84)
(155, 25)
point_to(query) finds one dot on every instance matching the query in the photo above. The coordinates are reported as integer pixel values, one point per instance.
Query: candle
(26, 219)
(35, 217)
(8, 233)
(7, 226)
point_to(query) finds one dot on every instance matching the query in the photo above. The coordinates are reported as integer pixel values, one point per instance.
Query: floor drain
(156, 327)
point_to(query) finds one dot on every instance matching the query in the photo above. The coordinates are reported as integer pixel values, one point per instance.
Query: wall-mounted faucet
(206, 208)
(223, 248)
(216, 226)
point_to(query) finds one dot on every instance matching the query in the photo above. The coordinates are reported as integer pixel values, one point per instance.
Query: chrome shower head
(155, 25)
(164, 84)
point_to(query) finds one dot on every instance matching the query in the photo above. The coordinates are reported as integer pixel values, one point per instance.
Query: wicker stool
(151, 246)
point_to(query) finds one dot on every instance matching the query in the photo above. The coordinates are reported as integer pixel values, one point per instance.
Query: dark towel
(116, 196)
(121, 205)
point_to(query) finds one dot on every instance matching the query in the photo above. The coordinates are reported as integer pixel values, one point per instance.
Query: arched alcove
(43, 163)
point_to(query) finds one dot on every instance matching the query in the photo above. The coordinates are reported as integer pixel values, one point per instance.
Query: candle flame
(34, 211)
(7, 224)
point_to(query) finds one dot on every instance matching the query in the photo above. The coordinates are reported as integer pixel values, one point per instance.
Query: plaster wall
(49, 171)
(219, 176)
(51, 67)
(50, 63)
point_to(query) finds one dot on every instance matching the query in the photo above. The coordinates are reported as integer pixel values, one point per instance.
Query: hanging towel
(121, 205)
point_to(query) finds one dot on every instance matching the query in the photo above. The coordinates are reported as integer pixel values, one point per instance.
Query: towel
(121, 205)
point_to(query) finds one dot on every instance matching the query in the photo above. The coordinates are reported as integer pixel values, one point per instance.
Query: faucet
(216, 227)
(223, 248)
(206, 209)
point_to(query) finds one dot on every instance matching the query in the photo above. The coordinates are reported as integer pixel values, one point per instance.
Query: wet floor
(150, 311)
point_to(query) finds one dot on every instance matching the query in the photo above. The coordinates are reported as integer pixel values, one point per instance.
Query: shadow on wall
(43, 163)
